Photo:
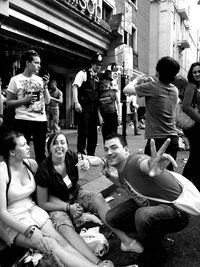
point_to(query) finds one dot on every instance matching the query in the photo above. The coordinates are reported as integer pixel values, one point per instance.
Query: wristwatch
(30, 231)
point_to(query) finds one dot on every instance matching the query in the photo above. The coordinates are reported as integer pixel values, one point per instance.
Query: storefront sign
(92, 8)
(124, 56)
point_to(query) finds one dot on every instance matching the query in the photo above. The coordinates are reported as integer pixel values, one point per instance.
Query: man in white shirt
(85, 98)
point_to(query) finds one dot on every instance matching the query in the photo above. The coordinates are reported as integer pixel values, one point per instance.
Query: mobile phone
(44, 72)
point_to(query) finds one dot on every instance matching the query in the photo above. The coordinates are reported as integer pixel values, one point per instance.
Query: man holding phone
(28, 93)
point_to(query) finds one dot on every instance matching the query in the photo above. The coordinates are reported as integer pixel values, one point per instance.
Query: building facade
(67, 33)
(170, 34)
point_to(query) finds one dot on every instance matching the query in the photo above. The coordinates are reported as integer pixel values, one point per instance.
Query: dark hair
(190, 75)
(9, 143)
(52, 139)
(167, 67)
(28, 56)
(121, 138)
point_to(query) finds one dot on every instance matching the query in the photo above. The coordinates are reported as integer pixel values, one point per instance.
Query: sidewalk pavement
(93, 179)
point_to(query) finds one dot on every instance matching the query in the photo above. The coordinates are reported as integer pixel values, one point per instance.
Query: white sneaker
(134, 246)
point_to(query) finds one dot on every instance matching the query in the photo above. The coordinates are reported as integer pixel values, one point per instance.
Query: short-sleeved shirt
(21, 86)
(81, 77)
(161, 103)
(163, 186)
(107, 101)
(48, 177)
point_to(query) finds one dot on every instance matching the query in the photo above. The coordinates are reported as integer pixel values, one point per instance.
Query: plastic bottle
(80, 158)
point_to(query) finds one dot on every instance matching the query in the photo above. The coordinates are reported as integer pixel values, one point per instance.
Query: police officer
(85, 98)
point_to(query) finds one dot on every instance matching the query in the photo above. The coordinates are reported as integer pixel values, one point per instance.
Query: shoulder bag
(189, 199)
(183, 120)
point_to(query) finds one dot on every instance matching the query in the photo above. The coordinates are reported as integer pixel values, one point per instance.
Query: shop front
(65, 33)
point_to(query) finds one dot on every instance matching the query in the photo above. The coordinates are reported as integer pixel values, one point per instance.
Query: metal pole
(123, 100)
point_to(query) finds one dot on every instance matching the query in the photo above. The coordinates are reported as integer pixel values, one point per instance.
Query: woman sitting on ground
(22, 222)
(59, 193)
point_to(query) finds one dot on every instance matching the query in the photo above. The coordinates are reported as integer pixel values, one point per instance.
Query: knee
(111, 219)
(99, 200)
(52, 243)
(143, 215)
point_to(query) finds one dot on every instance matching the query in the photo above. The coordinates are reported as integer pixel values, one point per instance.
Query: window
(125, 37)
(107, 12)
(132, 38)
(134, 2)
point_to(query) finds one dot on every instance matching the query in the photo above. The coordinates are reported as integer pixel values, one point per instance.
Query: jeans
(149, 223)
(172, 148)
(110, 124)
(87, 131)
(36, 130)
(53, 119)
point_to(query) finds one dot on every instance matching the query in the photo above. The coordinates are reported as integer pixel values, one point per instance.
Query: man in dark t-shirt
(151, 221)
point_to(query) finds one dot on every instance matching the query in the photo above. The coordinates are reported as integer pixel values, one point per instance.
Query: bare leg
(77, 242)
(66, 257)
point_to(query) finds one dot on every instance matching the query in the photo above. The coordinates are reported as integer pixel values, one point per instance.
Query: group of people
(96, 103)
(161, 98)
(52, 181)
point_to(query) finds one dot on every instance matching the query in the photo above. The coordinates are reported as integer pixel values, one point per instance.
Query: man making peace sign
(149, 220)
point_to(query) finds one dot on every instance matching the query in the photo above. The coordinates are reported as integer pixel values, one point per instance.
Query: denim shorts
(84, 198)
(33, 216)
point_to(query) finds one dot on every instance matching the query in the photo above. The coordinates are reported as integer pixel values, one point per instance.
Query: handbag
(183, 121)
(189, 199)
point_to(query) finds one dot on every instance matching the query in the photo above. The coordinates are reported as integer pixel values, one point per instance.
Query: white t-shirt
(20, 86)
(81, 77)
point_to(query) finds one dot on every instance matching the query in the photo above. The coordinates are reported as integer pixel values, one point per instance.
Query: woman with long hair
(22, 222)
(191, 100)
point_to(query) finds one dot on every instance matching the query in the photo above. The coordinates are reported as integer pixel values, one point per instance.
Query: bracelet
(1, 115)
(29, 231)
(67, 209)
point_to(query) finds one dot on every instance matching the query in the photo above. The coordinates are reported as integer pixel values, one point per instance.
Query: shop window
(107, 12)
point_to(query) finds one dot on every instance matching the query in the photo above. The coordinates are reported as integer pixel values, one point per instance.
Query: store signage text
(88, 7)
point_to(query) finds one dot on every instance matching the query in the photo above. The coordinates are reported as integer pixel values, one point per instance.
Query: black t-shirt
(48, 177)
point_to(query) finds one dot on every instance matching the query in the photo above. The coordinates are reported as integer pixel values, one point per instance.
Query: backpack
(188, 201)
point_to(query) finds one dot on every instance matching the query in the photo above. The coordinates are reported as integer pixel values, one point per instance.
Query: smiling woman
(22, 222)
(59, 192)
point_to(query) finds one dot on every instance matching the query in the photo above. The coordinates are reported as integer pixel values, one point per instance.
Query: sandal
(105, 263)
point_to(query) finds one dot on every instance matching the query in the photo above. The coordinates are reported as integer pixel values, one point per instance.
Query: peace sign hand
(159, 160)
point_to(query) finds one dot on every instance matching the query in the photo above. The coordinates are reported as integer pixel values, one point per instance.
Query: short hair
(28, 56)
(167, 67)
(121, 138)
(9, 143)
(53, 82)
(190, 75)
(51, 140)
